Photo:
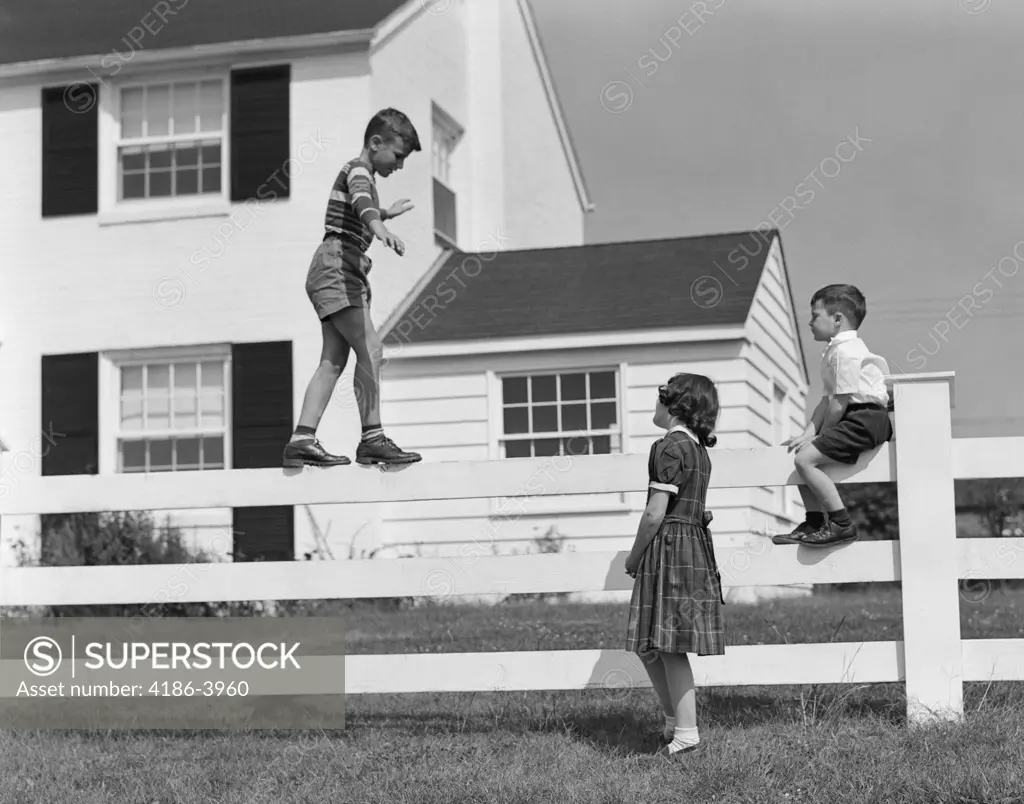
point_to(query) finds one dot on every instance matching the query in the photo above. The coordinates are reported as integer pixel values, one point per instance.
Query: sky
(690, 124)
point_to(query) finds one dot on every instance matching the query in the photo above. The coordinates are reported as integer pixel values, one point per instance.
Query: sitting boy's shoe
(830, 534)
(384, 450)
(310, 452)
(795, 536)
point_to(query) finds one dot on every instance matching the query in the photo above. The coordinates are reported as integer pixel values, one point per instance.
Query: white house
(559, 351)
(167, 168)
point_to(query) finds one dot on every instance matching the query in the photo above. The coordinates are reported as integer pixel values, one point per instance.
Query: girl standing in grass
(677, 600)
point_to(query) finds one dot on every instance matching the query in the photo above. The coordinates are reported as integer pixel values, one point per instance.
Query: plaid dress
(677, 596)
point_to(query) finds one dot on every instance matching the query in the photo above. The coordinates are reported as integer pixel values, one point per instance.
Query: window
(560, 414)
(170, 140)
(172, 415)
(445, 136)
(779, 435)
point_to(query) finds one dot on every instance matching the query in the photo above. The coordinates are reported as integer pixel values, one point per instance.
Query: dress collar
(680, 428)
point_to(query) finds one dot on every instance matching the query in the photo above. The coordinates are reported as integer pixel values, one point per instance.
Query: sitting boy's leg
(356, 326)
(839, 527)
(304, 447)
(813, 519)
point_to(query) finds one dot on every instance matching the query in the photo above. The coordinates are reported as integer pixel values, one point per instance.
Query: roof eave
(42, 67)
(544, 343)
(571, 156)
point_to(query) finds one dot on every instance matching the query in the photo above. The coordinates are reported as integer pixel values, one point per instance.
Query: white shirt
(849, 367)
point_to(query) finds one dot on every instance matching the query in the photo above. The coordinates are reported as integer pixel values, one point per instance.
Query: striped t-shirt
(353, 204)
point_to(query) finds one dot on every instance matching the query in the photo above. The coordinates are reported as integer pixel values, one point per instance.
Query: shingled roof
(52, 29)
(604, 287)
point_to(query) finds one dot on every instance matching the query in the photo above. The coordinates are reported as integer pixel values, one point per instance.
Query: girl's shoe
(685, 753)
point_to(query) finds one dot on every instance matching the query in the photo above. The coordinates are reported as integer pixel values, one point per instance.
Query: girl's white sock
(670, 728)
(683, 738)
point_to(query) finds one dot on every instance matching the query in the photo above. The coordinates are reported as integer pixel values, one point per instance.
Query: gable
(706, 281)
(117, 29)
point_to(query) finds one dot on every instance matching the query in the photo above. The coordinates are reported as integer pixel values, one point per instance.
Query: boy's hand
(797, 443)
(400, 206)
(390, 240)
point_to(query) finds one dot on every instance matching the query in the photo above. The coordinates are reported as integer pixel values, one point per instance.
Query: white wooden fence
(932, 659)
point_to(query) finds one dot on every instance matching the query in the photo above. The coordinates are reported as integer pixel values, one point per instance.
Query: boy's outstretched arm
(836, 409)
(360, 184)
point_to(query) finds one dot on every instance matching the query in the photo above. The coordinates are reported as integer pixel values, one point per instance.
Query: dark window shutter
(70, 420)
(264, 533)
(260, 132)
(261, 424)
(70, 150)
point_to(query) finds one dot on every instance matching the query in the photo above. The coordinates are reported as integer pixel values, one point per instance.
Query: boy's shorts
(337, 277)
(863, 427)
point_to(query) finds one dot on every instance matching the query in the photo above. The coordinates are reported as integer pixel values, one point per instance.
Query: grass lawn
(763, 744)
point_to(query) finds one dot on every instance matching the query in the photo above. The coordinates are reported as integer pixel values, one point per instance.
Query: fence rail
(932, 659)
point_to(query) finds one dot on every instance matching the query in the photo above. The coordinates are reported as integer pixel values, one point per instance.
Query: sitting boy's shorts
(337, 277)
(863, 427)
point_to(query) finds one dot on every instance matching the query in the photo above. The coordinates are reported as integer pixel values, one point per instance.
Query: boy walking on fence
(851, 418)
(338, 286)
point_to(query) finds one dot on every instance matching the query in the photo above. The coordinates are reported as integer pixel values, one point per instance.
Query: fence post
(933, 659)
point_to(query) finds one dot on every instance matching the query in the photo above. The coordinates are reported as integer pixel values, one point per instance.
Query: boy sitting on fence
(851, 418)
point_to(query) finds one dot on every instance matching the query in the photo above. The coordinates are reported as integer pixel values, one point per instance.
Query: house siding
(773, 356)
(588, 522)
(541, 205)
(240, 276)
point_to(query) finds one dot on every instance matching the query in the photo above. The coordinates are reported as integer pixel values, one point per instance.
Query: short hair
(389, 123)
(843, 298)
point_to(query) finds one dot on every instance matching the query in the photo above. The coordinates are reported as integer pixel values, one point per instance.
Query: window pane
(577, 445)
(513, 389)
(212, 375)
(160, 183)
(602, 385)
(602, 415)
(133, 186)
(158, 378)
(131, 112)
(543, 388)
(545, 447)
(158, 412)
(211, 180)
(516, 420)
(159, 158)
(210, 105)
(186, 156)
(213, 452)
(133, 456)
(185, 108)
(186, 453)
(517, 449)
(158, 110)
(602, 445)
(545, 418)
(160, 455)
(574, 386)
(133, 159)
(131, 380)
(131, 412)
(185, 404)
(186, 182)
(574, 417)
(211, 154)
(211, 407)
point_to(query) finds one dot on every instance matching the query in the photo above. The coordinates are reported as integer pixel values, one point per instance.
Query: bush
(120, 539)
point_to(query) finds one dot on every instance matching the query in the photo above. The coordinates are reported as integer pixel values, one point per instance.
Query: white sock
(670, 728)
(683, 738)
